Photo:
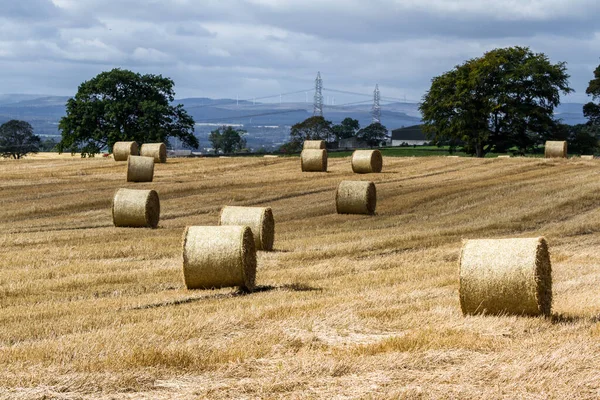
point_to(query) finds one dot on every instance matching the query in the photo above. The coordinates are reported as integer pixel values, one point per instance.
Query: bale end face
(505, 276)
(219, 256)
(356, 197)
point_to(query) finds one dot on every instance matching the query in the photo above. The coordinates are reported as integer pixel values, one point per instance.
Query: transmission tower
(318, 106)
(376, 110)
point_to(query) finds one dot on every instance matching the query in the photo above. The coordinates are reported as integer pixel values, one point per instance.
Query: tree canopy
(120, 105)
(346, 129)
(17, 139)
(312, 128)
(591, 110)
(227, 140)
(504, 98)
(373, 134)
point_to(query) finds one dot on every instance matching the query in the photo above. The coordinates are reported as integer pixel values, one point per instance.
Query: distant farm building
(411, 135)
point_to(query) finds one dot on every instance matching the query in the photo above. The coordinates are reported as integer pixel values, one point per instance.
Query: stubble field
(347, 306)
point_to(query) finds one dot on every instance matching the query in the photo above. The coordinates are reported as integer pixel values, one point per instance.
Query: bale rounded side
(356, 197)
(367, 161)
(555, 149)
(313, 160)
(219, 256)
(156, 150)
(122, 150)
(259, 219)
(505, 276)
(140, 169)
(136, 208)
(314, 144)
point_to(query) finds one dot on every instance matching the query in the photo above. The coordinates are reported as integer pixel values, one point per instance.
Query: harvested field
(346, 306)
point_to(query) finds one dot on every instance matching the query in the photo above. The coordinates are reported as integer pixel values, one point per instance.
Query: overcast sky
(255, 48)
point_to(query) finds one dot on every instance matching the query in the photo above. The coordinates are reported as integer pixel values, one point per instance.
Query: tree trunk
(479, 150)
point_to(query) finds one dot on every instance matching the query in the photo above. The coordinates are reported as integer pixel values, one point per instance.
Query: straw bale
(313, 160)
(505, 156)
(219, 256)
(156, 150)
(356, 197)
(499, 276)
(555, 149)
(259, 219)
(314, 144)
(587, 157)
(270, 156)
(366, 161)
(140, 169)
(122, 150)
(136, 208)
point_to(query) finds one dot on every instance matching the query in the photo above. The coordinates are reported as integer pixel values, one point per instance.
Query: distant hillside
(267, 123)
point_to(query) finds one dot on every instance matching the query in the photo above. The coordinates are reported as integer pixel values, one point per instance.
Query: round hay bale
(366, 161)
(314, 144)
(122, 150)
(259, 219)
(313, 160)
(140, 169)
(156, 150)
(500, 276)
(219, 256)
(356, 197)
(555, 149)
(587, 157)
(504, 156)
(136, 208)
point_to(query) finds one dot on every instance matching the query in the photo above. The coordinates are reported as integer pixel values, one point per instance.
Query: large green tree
(120, 105)
(227, 140)
(591, 110)
(504, 98)
(312, 128)
(17, 139)
(346, 129)
(374, 134)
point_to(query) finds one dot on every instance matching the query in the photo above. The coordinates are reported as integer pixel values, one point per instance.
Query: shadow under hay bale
(259, 219)
(356, 197)
(140, 169)
(136, 208)
(156, 150)
(313, 144)
(313, 160)
(122, 150)
(555, 149)
(511, 276)
(367, 161)
(219, 256)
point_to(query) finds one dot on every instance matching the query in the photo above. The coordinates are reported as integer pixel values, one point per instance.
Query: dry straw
(313, 160)
(259, 219)
(314, 144)
(136, 208)
(587, 157)
(219, 256)
(512, 276)
(156, 150)
(503, 156)
(140, 169)
(122, 150)
(356, 197)
(366, 161)
(555, 149)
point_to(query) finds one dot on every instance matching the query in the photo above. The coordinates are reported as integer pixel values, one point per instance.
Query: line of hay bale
(313, 160)
(219, 256)
(156, 150)
(140, 169)
(259, 219)
(503, 156)
(587, 157)
(136, 208)
(356, 197)
(122, 150)
(314, 144)
(505, 276)
(366, 161)
(555, 149)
